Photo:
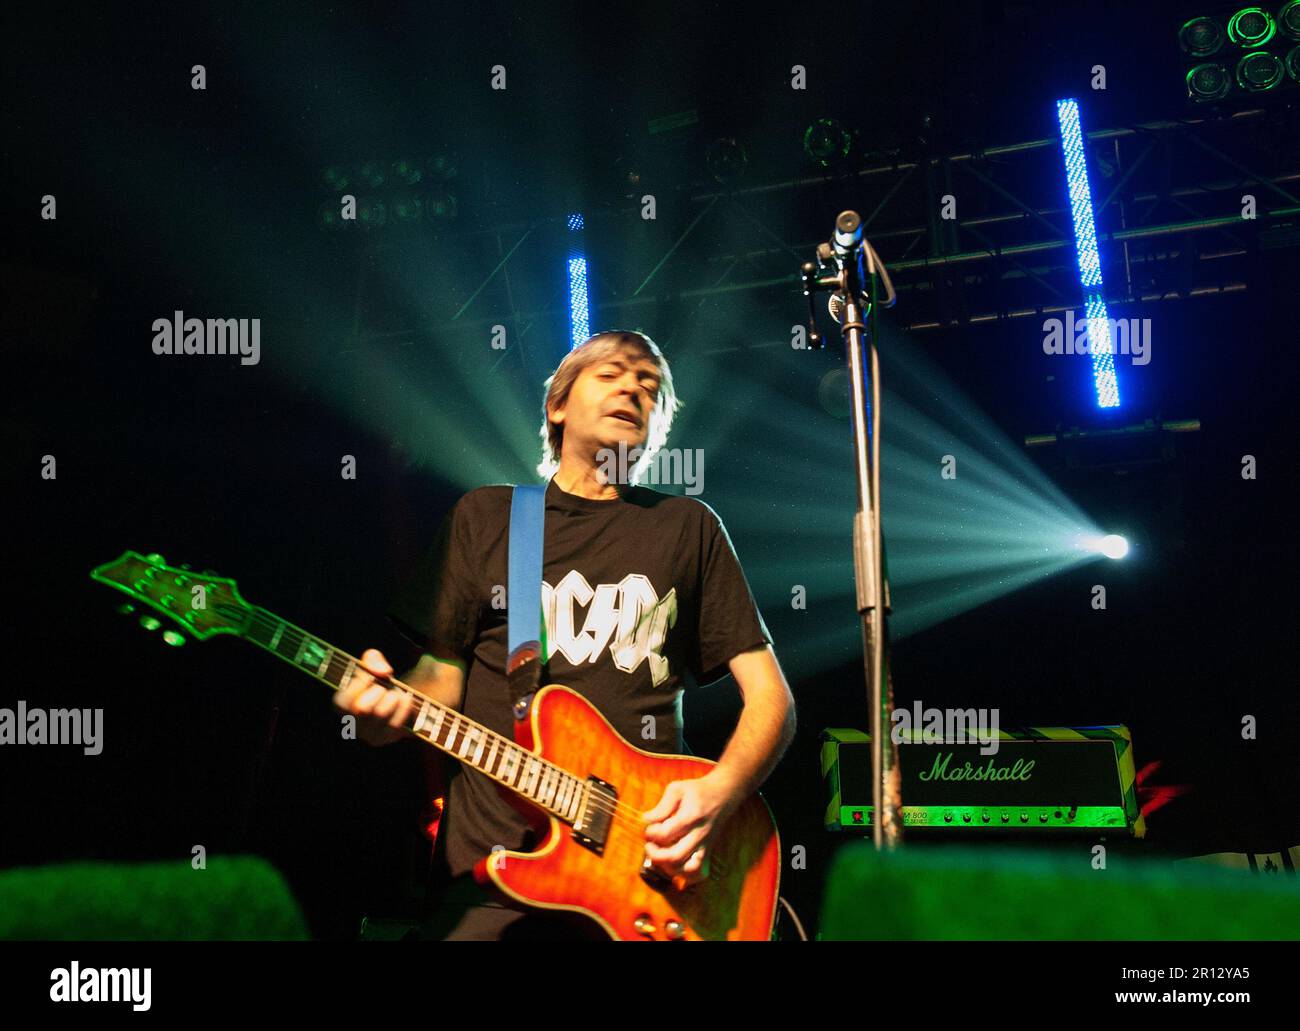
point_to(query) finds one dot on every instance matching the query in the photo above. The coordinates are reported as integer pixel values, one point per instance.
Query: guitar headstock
(203, 604)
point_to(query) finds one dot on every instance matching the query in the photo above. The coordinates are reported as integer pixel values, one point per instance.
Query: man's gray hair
(596, 349)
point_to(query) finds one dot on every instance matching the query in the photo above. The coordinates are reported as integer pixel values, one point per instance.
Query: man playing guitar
(666, 604)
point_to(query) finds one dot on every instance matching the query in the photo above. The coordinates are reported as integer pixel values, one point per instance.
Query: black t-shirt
(642, 595)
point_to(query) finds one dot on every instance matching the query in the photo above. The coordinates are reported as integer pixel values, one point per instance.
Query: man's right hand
(381, 711)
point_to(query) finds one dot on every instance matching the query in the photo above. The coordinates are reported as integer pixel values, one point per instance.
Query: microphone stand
(853, 276)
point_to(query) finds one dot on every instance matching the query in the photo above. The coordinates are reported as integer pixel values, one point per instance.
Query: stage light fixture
(1113, 546)
(372, 174)
(727, 160)
(1100, 345)
(371, 213)
(1288, 19)
(579, 314)
(1201, 37)
(328, 216)
(1251, 27)
(440, 203)
(406, 172)
(407, 206)
(826, 140)
(1293, 63)
(579, 306)
(1259, 71)
(336, 178)
(1208, 82)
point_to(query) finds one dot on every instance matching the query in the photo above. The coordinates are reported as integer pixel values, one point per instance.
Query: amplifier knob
(947, 817)
(985, 817)
(1006, 817)
(1042, 817)
(1024, 817)
(965, 817)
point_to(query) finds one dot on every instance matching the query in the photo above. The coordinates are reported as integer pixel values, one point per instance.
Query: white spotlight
(1113, 546)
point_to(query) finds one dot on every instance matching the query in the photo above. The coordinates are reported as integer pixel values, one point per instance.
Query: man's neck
(585, 481)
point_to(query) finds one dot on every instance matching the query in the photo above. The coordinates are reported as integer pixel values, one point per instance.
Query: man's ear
(555, 413)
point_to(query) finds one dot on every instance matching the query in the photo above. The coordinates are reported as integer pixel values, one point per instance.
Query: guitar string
(619, 811)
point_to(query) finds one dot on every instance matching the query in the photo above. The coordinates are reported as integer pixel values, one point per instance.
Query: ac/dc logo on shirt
(629, 617)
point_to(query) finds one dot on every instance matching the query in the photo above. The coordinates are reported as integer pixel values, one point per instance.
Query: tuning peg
(154, 559)
(150, 622)
(125, 609)
(173, 638)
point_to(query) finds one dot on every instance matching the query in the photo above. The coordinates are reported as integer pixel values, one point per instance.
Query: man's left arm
(681, 827)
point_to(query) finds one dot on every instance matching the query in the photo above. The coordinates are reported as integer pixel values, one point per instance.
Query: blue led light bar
(579, 308)
(1100, 345)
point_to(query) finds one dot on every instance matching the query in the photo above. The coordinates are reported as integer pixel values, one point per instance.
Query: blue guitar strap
(526, 629)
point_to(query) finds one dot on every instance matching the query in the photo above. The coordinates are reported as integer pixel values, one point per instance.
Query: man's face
(610, 403)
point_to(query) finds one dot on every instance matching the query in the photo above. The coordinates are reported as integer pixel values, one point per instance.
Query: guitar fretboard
(540, 781)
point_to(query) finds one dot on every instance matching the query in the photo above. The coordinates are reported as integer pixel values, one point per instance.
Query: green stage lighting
(1251, 27)
(407, 173)
(1259, 71)
(826, 140)
(1288, 19)
(1201, 37)
(407, 207)
(371, 214)
(1293, 63)
(336, 178)
(373, 175)
(1208, 82)
(328, 216)
(440, 203)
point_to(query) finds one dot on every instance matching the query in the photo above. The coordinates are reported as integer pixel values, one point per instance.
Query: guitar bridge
(591, 828)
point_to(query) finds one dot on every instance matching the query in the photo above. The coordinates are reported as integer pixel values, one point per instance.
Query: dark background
(206, 201)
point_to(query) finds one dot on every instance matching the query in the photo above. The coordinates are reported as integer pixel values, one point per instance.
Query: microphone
(848, 233)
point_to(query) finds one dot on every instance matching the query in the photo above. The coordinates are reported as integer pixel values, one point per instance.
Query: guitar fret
(511, 765)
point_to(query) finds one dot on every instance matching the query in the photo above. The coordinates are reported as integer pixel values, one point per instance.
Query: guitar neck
(541, 782)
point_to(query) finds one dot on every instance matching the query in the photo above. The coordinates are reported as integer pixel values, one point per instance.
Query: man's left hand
(680, 829)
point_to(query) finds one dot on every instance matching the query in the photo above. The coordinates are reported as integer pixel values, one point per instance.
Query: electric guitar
(583, 786)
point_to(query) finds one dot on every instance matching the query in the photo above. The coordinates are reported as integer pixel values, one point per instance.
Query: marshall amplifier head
(1037, 780)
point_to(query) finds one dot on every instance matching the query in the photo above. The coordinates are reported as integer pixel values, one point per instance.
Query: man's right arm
(382, 711)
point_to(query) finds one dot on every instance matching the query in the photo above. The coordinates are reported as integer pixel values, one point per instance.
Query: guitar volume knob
(676, 932)
(644, 925)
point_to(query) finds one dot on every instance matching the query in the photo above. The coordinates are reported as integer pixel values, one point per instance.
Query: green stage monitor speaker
(923, 892)
(237, 898)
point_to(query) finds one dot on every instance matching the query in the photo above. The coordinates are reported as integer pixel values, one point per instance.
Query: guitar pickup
(591, 828)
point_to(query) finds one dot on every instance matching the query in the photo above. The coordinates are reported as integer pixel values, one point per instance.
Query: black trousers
(469, 912)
